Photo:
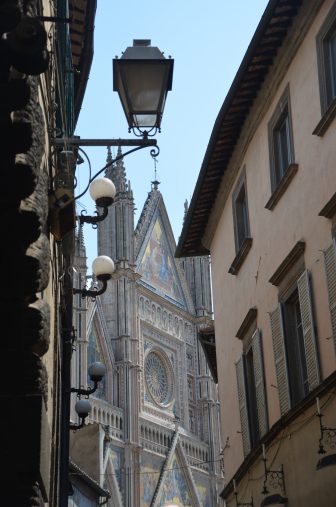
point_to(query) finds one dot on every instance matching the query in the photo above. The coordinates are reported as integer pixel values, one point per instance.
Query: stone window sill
(241, 256)
(322, 126)
(282, 186)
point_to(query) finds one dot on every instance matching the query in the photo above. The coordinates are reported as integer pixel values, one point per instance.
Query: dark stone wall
(25, 258)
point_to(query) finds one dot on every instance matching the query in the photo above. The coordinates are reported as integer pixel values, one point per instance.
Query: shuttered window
(308, 329)
(330, 267)
(240, 371)
(294, 345)
(258, 362)
(252, 394)
(280, 359)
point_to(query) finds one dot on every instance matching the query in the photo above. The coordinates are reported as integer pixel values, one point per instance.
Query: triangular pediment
(175, 489)
(176, 486)
(112, 473)
(156, 263)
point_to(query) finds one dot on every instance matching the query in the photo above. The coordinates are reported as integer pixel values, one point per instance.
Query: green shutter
(259, 377)
(306, 309)
(330, 267)
(280, 359)
(243, 406)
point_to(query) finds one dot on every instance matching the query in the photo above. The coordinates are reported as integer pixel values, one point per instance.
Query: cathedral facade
(153, 437)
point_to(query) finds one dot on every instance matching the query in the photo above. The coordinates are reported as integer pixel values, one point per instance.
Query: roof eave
(187, 246)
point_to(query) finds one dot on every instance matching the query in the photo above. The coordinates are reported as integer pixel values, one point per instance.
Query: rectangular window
(240, 212)
(296, 358)
(251, 397)
(326, 56)
(252, 392)
(280, 141)
(330, 267)
(282, 150)
(294, 345)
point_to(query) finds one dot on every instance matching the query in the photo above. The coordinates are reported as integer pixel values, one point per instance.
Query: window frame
(289, 394)
(251, 387)
(281, 113)
(240, 187)
(326, 33)
(251, 396)
(294, 346)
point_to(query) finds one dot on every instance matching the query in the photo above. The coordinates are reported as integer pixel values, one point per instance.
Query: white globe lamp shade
(103, 266)
(83, 408)
(102, 191)
(97, 371)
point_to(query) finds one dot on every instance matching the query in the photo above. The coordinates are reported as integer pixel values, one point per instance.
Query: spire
(118, 173)
(186, 206)
(109, 157)
(80, 250)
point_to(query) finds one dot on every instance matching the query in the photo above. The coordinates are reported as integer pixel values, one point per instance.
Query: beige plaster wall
(297, 444)
(274, 233)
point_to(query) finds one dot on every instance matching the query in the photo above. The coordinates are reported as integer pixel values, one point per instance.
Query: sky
(207, 40)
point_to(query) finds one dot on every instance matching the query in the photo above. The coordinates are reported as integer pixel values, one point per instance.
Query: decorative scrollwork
(327, 436)
(155, 151)
(274, 479)
(93, 220)
(330, 437)
(145, 134)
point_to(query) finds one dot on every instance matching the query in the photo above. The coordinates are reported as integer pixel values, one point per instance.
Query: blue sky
(207, 41)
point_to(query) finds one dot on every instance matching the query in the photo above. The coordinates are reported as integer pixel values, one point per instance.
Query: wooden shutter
(309, 337)
(330, 267)
(259, 377)
(280, 359)
(243, 406)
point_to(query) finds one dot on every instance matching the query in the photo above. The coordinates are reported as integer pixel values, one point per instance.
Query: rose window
(158, 378)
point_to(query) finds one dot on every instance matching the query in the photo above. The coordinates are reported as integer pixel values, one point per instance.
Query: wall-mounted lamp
(240, 504)
(276, 480)
(142, 77)
(328, 437)
(103, 268)
(96, 371)
(83, 408)
(102, 191)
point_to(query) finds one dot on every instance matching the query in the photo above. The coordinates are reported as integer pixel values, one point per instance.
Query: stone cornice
(288, 263)
(250, 317)
(329, 210)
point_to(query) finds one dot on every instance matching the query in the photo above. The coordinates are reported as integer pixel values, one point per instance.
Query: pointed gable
(157, 266)
(155, 247)
(176, 485)
(175, 489)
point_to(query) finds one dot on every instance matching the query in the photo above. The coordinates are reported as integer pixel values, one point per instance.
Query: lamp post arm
(82, 218)
(144, 144)
(85, 392)
(91, 293)
(73, 141)
(75, 427)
